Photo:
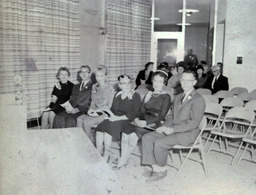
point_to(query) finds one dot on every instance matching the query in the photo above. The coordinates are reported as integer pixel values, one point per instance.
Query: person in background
(153, 110)
(102, 96)
(124, 109)
(79, 101)
(60, 94)
(201, 78)
(180, 127)
(220, 64)
(145, 76)
(216, 81)
(164, 66)
(190, 60)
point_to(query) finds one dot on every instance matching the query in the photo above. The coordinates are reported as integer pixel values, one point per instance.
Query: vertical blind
(128, 37)
(37, 38)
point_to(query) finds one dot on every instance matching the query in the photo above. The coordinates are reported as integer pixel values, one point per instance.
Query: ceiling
(167, 12)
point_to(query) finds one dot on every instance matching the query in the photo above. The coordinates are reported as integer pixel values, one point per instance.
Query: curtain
(37, 38)
(128, 37)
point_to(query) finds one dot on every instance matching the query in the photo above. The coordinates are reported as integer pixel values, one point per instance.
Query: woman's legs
(107, 144)
(130, 142)
(51, 118)
(99, 141)
(45, 120)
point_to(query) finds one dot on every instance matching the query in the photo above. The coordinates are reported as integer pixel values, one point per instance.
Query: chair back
(251, 105)
(213, 109)
(210, 99)
(230, 102)
(223, 94)
(246, 97)
(238, 90)
(203, 91)
(241, 114)
(253, 91)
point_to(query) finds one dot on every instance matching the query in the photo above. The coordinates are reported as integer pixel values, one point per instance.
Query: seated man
(79, 100)
(216, 81)
(188, 110)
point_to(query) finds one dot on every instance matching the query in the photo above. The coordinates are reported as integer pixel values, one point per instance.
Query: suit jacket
(220, 84)
(81, 99)
(141, 76)
(186, 117)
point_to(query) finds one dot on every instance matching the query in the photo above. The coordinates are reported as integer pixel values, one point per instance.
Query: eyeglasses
(215, 70)
(83, 72)
(182, 80)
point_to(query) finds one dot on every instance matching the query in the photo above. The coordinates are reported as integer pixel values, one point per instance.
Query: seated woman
(102, 96)
(144, 76)
(152, 112)
(60, 94)
(201, 78)
(124, 109)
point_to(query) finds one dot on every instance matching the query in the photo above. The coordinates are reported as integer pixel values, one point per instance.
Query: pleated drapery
(128, 37)
(37, 38)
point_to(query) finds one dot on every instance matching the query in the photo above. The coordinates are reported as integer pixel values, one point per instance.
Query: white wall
(240, 40)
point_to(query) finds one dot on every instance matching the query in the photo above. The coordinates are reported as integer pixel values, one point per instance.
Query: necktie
(81, 86)
(213, 82)
(183, 98)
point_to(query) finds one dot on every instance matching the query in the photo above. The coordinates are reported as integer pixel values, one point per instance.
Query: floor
(221, 178)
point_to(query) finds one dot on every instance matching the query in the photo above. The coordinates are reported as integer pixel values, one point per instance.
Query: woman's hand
(53, 98)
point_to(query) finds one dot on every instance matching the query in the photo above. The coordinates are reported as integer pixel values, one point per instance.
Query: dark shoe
(157, 176)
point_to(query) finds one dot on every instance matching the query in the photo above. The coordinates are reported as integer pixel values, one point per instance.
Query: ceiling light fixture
(189, 12)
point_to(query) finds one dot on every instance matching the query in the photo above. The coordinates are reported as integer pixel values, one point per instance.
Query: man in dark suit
(181, 127)
(80, 101)
(216, 81)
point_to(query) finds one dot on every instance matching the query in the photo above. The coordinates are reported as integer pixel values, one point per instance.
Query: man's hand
(73, 111)
(165, 130)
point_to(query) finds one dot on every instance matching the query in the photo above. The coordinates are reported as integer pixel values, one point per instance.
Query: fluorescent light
(186, 24)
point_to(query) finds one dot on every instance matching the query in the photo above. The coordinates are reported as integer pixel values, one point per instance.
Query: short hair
(161, 73)
(200, 67)
(203, 62)
(163, 65)
(123, 76)
(148, 64)
(85, 66)
(102, 68)
(62, 69)
(190, 72)
(215, 67)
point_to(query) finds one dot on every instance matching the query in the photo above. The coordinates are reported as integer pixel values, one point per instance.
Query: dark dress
(153, 111)
(141, 76)
(127, 107)
(62, 94)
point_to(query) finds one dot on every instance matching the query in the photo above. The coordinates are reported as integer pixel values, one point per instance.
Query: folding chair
(212, 113)
(210, 98)
(249, 140)
(238, 90)
(223, 94)
(203, 91)
(241, 120)
(246, 97)
(230, 102)
(196, 145)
